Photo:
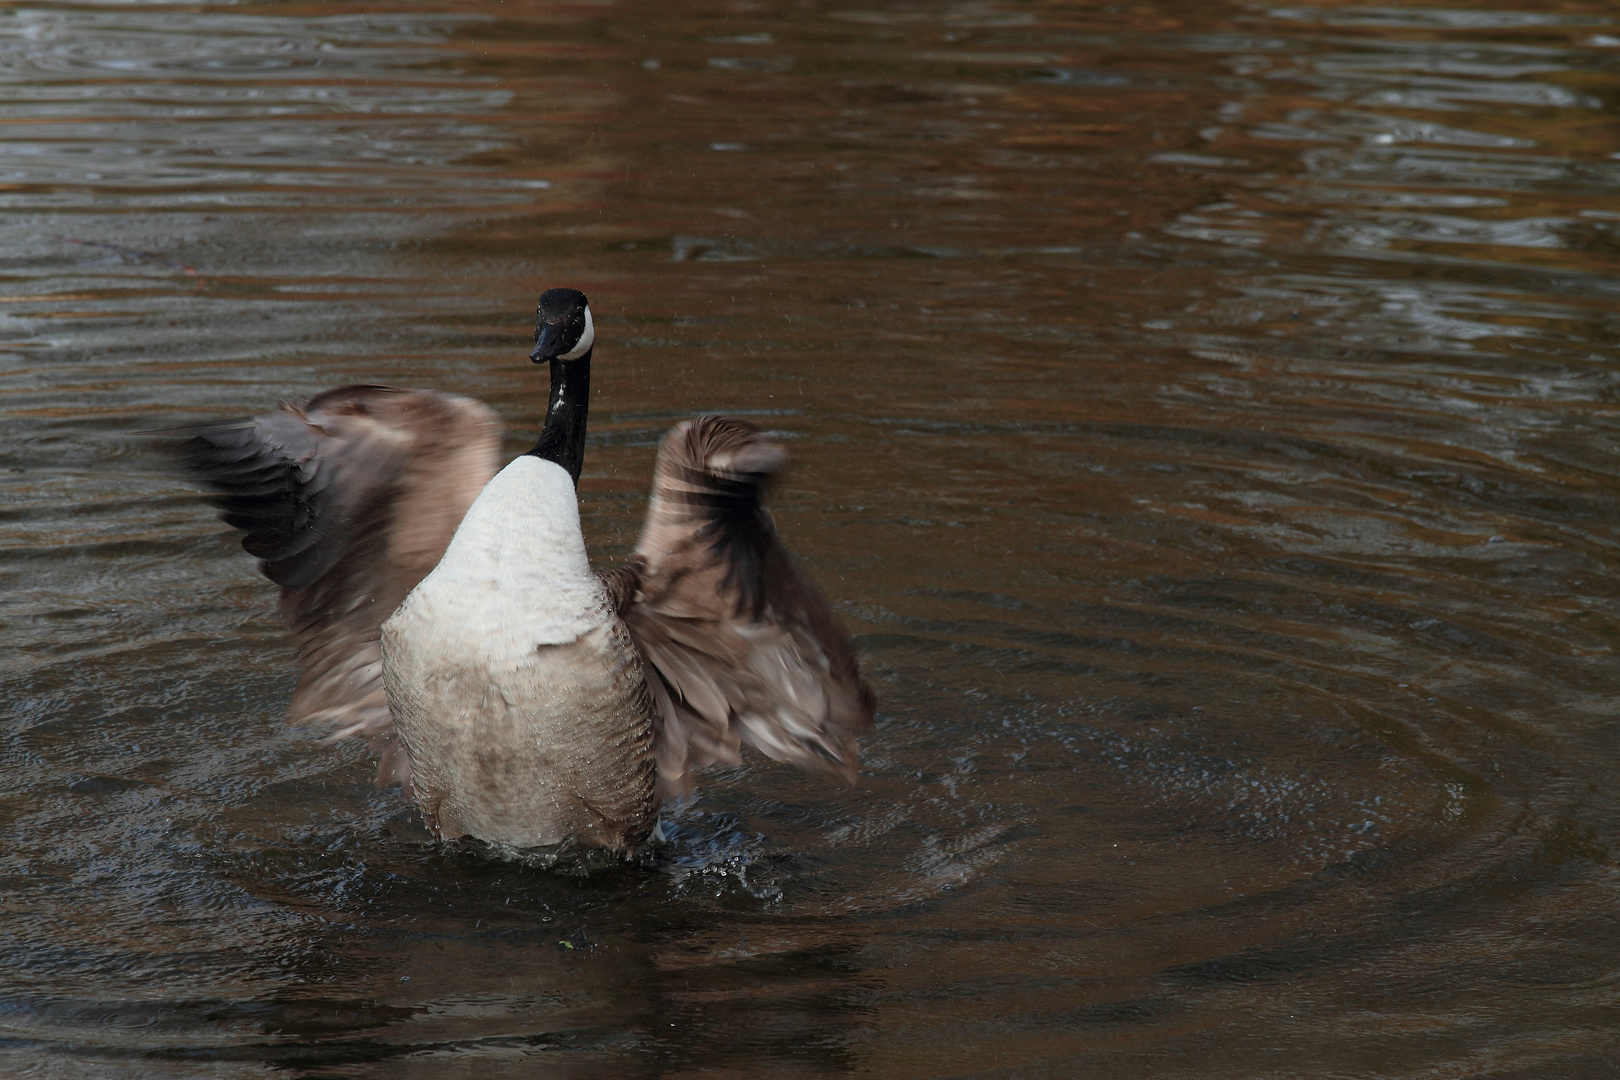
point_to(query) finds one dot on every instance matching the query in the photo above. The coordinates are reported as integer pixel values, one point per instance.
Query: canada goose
(447, 613)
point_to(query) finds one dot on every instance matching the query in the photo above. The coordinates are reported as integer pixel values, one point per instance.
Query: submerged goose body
(448, 613)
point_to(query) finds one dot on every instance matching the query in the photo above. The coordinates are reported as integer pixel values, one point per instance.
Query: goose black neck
(563, 438)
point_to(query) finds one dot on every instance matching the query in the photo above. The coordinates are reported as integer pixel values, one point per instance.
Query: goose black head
(562, 326)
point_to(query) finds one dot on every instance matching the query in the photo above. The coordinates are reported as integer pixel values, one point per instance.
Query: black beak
(548, 344)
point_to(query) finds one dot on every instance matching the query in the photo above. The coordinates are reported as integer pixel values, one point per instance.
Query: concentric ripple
(1203, 419)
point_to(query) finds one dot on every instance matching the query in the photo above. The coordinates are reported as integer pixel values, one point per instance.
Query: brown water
(1205, 421)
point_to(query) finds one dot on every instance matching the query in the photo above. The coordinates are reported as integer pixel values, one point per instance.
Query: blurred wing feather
(741, 648)
(348, 501)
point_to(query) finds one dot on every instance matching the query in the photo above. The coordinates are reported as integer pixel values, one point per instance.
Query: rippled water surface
(1204, 418)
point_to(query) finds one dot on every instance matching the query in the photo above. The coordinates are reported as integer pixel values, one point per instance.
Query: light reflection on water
(1202, 418)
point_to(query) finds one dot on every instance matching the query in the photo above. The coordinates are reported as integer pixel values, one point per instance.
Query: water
(1204, 422)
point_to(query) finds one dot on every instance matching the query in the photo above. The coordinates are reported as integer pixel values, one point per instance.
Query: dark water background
(1205, 420)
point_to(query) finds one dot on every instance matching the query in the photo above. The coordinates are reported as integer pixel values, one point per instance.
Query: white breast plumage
(515, 574)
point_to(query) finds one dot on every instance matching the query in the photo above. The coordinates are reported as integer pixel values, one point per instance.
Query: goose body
(448, 614)
(514, 684)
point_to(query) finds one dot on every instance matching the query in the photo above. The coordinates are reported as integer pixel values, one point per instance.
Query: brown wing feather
(348, 501)
(741, 647)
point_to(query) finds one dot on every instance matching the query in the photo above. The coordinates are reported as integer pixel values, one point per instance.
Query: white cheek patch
(585, 339)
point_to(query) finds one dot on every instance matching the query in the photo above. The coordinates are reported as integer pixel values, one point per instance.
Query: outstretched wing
(741, 646)
(348, 501)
